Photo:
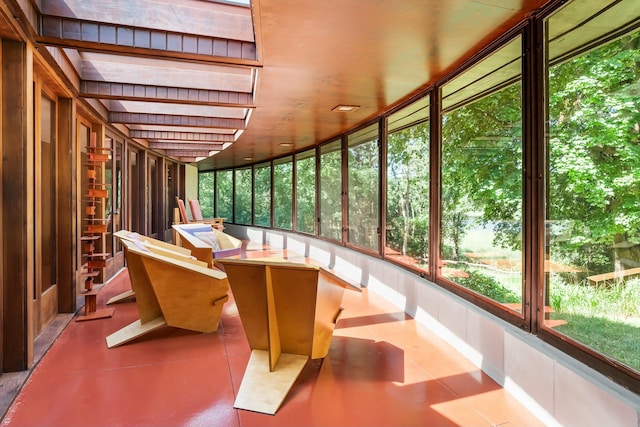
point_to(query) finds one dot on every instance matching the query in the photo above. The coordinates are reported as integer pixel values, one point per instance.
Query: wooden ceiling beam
(154, 93)
(187, 153)
(175, 120)
(181, 136)
(184, 146)
(125, 39)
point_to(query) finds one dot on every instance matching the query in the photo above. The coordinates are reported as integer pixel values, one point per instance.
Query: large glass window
(242, 196)
(330, 188)
(407, 228)
(306, 191)
(262, 195)
(481, 219)
(283, 193)
(364, 188)
(224, 194)
(593, 179)
(205, 193)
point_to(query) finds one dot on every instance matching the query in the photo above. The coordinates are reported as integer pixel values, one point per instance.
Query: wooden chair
(182, 293)
(196, 212)
(186, 235)
(183, 210)
(153, 245)
(288, 312)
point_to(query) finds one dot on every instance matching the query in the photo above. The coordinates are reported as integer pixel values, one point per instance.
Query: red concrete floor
(383, 369)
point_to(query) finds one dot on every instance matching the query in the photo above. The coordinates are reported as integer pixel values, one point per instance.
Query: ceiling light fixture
(286, 144)
(345, 108)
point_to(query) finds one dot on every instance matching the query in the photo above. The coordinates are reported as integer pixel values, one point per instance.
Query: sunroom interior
(474, 164)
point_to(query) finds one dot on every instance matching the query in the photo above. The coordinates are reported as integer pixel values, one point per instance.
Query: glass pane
(153, 196)
(109, 201)
(117, 193)
(330, 188)
(364, 193)
(407, 228)
(205, 193)
(262, 195)
(224, 194)
(283, 193)
(306, 192)
(48, 192)
(593, 187)
(243, 196)
(481, 221)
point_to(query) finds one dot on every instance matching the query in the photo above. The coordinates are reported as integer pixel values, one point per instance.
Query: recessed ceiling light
(286, 144)
(345, 108)
(248, 158)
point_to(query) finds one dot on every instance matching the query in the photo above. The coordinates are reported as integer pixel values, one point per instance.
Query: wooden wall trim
(16, 333)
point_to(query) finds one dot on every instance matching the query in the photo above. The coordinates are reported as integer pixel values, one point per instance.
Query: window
(306, 192)
(593, 181)
(364, 188)
(262, 195)
(407, 228)
(330, 188)
(481, 219)
(282, 193)
(224, 194)
(242, 196)
(152, 196)
(205, 193)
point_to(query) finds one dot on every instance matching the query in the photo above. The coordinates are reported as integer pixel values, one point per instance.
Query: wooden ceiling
(232, 83)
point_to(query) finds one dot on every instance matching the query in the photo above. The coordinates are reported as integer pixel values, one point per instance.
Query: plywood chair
(182, 293)
(196, 212)
(288, 312)
(154, 245)
(206, 243)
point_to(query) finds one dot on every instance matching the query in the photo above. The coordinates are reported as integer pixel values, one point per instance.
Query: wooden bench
(288, 312)
(182, 293)
(614, 275)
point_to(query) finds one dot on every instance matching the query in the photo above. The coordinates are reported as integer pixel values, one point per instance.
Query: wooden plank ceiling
(225, 84)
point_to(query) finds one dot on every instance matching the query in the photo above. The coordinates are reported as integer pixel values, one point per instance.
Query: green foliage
(488, 286)
(262, 196)
(408, 192)
(482, 169)
(224, 194)
(205, 193)
(282, 194)
(594, 151)
(330, 188)
(306, 195)
(364, 196)
(242, 194)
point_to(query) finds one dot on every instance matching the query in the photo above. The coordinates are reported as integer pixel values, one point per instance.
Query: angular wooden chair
(206, 243)
(288, 312)
(182, 293)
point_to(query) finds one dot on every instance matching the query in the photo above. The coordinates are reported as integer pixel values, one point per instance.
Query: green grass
(604, 318)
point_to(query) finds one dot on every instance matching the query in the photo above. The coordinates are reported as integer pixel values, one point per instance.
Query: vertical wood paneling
(66, 172)
(14, 208)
